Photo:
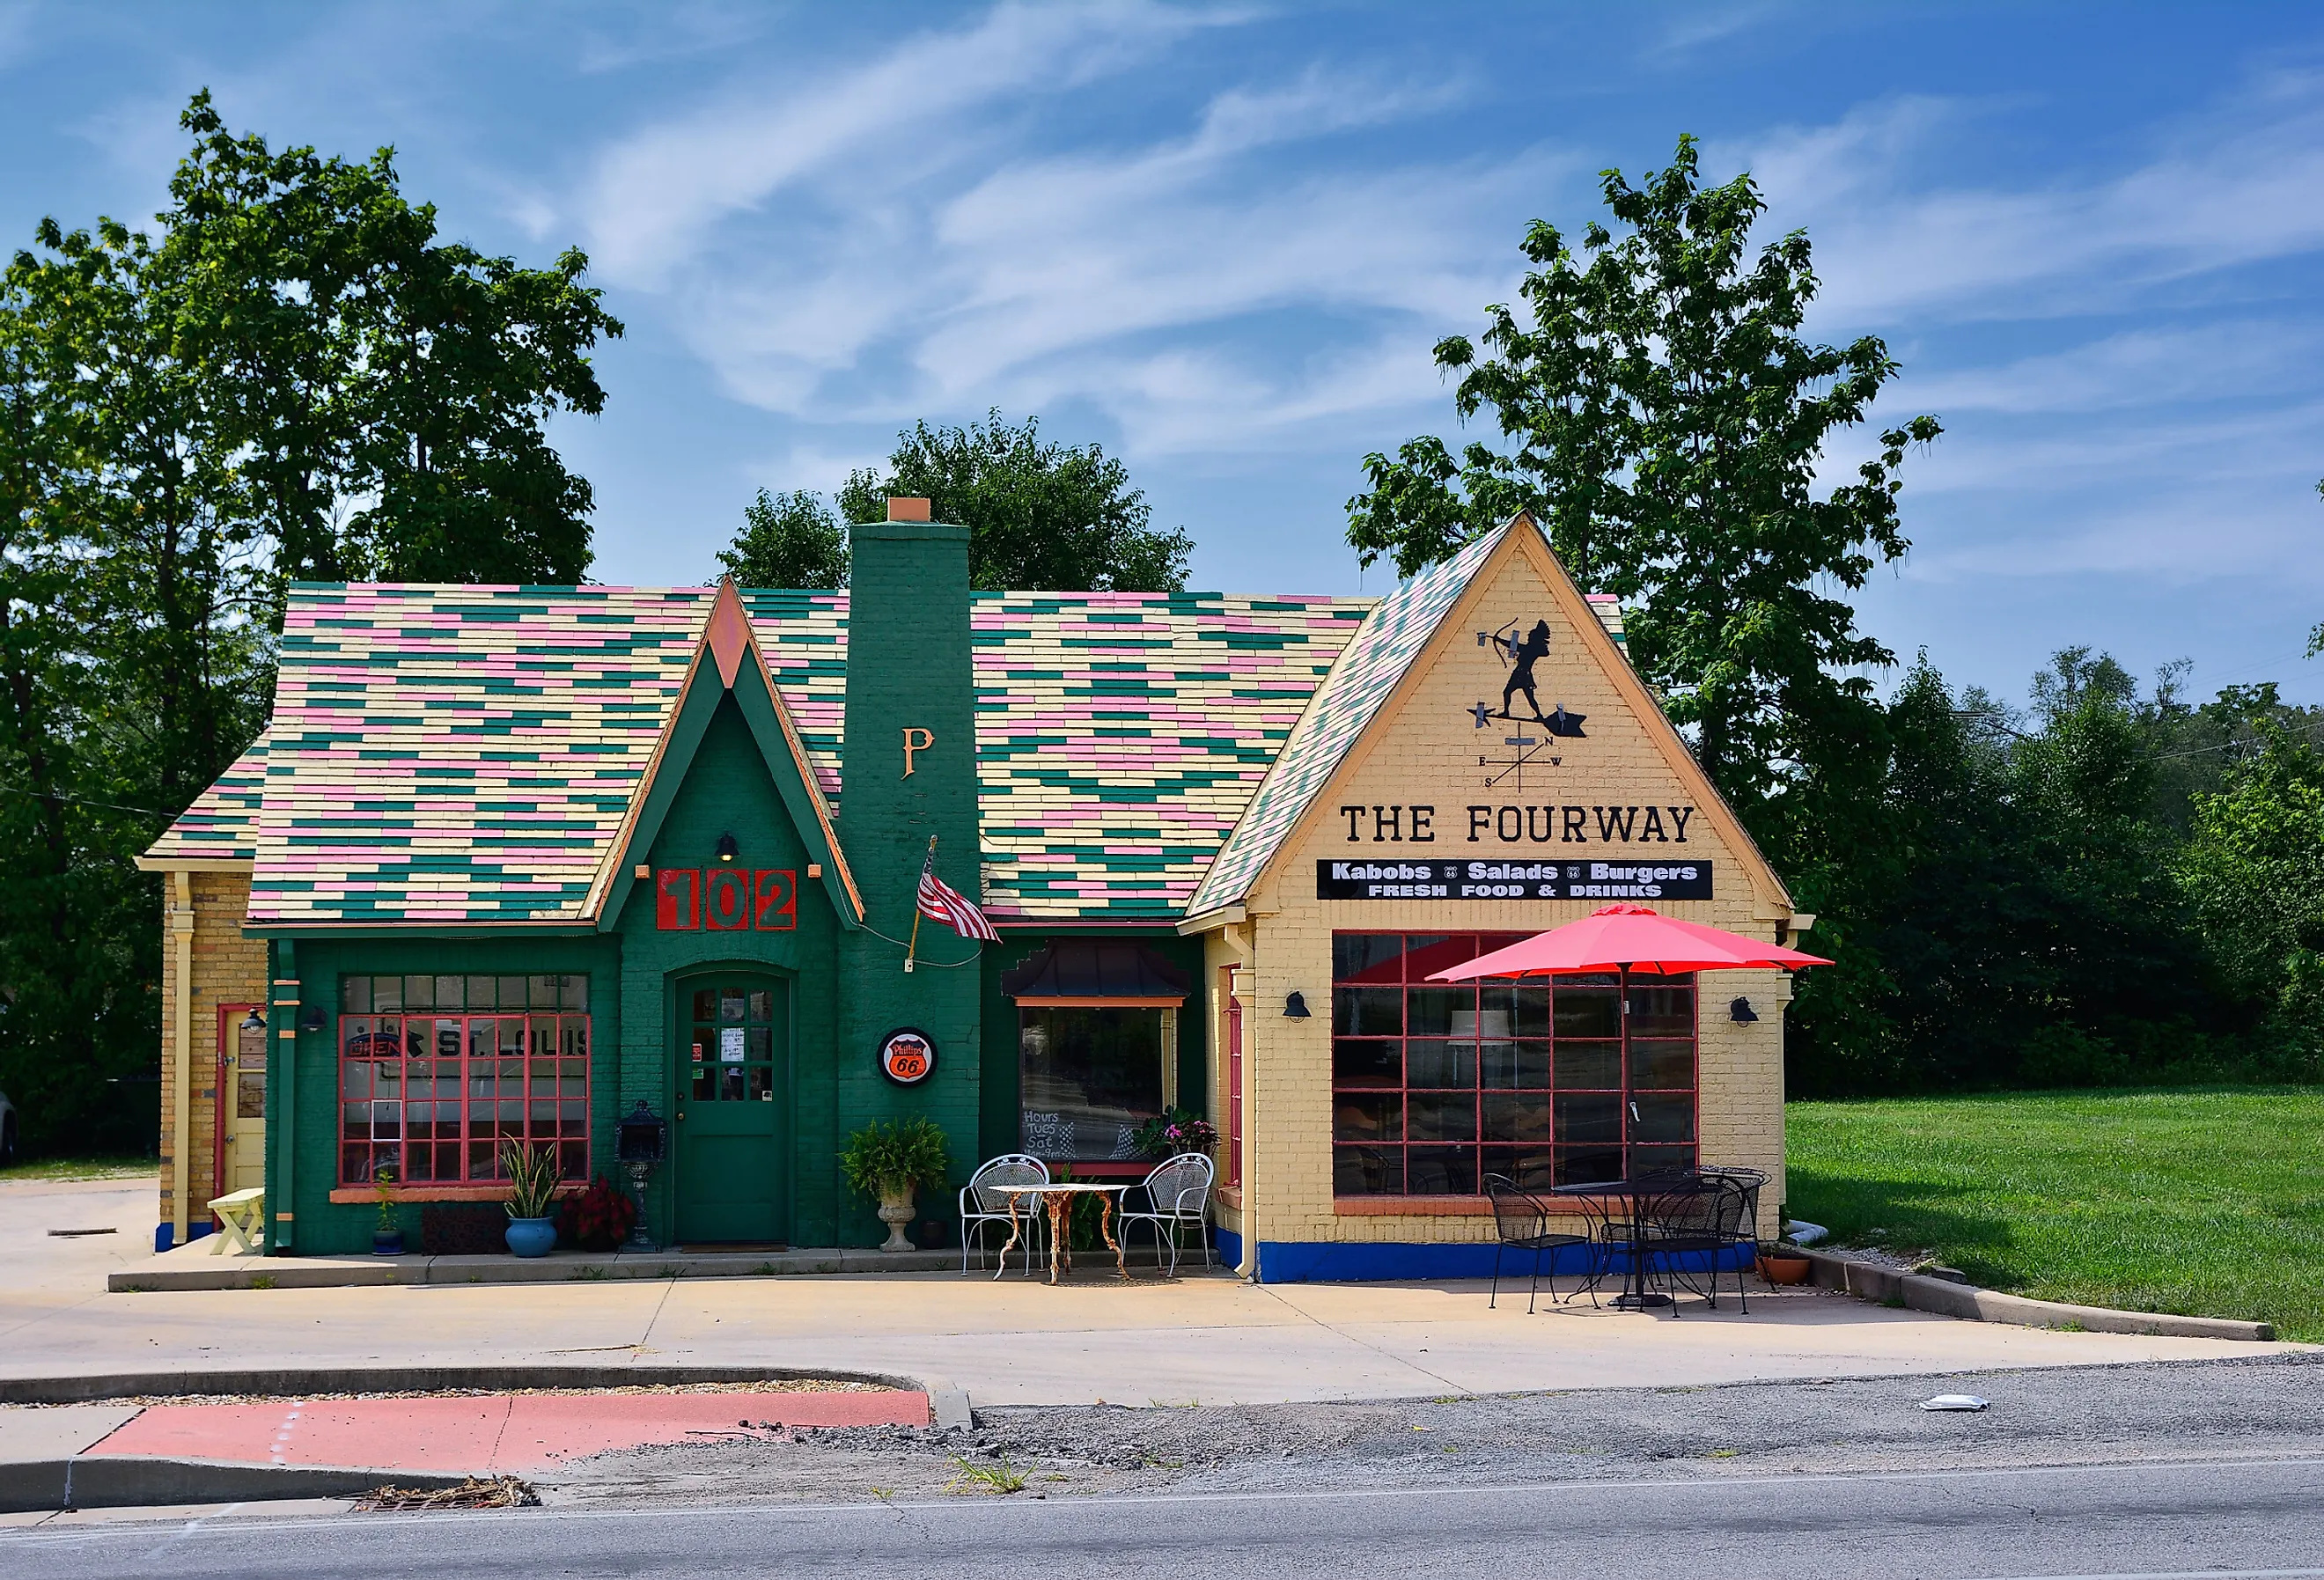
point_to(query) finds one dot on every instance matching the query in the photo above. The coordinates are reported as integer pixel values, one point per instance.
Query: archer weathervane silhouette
(1521, 653)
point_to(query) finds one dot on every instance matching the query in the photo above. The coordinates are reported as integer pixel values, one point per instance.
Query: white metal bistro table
(1057, 1198)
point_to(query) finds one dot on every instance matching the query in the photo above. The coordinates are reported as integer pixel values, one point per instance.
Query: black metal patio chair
(1522, 1221)
(1697, 1217)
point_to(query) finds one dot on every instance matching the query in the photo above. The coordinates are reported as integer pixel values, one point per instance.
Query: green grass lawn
(77, 1168)
(2207, 1201)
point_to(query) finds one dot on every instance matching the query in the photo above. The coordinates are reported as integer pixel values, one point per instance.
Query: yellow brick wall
(227, 969)
(1424, 751)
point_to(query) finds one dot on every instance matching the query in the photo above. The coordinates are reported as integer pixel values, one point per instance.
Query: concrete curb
(1871, 1282)
(142, 1481)
(203, 1271)
(288, 1381)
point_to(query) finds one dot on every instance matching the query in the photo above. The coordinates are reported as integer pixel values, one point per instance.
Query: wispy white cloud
(655, 195)
(2238, 359)
(2243, 185)
(874, 278)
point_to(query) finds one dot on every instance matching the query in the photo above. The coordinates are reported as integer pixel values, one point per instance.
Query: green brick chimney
(911, 702)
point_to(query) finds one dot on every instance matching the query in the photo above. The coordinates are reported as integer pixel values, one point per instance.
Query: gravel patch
(2265, 1407)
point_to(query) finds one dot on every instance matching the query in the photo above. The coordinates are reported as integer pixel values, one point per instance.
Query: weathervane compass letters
(1521, 653)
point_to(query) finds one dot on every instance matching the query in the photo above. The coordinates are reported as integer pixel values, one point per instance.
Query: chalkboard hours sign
(1512, 880)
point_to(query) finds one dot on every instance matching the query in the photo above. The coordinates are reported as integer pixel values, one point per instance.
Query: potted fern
(531, 1173)
(890, 1161)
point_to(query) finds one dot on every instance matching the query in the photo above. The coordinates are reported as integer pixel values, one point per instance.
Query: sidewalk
(1209, 1337)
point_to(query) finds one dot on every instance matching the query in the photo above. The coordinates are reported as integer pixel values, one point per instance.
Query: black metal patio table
(1640, 1194)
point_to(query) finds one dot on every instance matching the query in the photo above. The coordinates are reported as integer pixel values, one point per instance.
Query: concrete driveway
(1210, 1338)
(43, 1273)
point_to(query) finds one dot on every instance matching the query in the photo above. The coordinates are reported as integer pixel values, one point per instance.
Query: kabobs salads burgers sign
(1513, 879)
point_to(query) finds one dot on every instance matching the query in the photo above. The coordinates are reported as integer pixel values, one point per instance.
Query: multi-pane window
(437, 1072)
(1089, 1076)
(1435, 1085)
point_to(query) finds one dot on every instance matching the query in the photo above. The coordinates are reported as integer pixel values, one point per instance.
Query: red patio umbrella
(1624, 938)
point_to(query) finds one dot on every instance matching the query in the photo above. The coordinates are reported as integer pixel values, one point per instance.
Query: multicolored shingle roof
(222, 823)
(1366, 672)
(466, 754)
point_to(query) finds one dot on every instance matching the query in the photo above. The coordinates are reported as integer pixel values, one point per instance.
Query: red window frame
(434, 1094)
(1425, 1103)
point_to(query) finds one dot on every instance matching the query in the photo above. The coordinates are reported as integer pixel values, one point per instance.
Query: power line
(18, 790)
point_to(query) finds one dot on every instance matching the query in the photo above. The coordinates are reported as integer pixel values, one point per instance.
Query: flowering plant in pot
(387, 1233)
(889, 1161)
(531, 1173)
(1172, 1131)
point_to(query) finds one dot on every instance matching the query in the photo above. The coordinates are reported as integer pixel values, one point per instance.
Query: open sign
(907, 1057)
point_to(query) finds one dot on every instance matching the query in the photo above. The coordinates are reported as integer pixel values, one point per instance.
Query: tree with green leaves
(788, 540)
(291, 376)
(1662, 416)
(1041, 514)
(2253, 873)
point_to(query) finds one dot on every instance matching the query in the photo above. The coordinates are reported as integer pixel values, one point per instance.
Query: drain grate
(498, 1493)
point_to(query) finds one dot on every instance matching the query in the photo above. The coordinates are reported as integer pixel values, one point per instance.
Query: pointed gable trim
(730, 643)
(1386, 667)
(1368, 669)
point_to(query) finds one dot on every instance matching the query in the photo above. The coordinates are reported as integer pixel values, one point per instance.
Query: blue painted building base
(1317, 1261)
(165, 1234)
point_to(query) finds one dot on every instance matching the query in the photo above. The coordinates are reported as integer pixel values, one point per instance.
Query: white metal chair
(1177, 1195)
(985, 1200)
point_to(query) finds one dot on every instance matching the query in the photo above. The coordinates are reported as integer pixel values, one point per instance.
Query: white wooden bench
(244, 1214)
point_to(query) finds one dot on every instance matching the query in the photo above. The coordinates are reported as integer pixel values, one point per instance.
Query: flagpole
(926, 866)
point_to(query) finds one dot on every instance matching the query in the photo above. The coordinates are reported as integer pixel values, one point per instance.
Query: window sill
(345, 1194)
(1229, 1197)
(1431, 1207)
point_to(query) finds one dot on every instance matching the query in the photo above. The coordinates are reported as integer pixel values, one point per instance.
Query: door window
(732, 1045)
(250, 1072)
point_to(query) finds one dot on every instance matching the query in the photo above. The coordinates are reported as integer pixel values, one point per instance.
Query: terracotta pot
(1785, 1270)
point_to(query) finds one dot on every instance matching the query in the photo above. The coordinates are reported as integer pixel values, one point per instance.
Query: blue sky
(1220, 240)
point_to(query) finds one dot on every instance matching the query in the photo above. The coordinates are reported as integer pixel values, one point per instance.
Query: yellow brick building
(1430, 806)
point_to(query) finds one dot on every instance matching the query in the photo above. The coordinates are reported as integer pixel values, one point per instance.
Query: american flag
(941, 902)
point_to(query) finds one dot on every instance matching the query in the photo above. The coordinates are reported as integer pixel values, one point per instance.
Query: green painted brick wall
(728, 790)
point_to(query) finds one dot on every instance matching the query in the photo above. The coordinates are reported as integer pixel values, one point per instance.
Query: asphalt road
(2252, 1518)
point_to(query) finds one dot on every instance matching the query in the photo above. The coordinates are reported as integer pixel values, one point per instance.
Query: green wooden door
(733, 1108)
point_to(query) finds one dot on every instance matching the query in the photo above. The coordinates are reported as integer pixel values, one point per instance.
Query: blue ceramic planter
(533, 1236)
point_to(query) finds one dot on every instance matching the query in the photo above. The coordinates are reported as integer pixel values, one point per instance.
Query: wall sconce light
(311, 1019)
(253, 1021)
(1741, 1010)
(727, 849)
(1295, 1007)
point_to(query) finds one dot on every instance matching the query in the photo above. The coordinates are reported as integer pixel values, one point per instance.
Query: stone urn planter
(896, 1211)
(890, 1161)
